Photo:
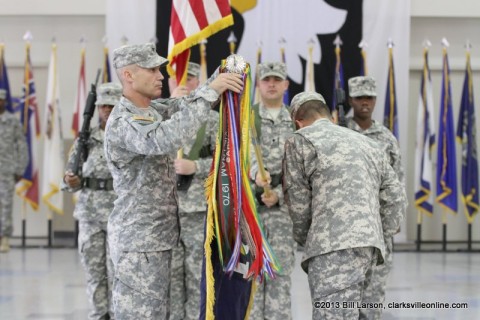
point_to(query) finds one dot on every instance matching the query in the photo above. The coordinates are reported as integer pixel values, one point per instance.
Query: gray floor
(49, 284)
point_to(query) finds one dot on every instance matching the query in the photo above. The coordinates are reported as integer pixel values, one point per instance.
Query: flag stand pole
(77, 231)
(469, 243)
(24, 224)
(419, 230)
(444, 236)
(49, 230)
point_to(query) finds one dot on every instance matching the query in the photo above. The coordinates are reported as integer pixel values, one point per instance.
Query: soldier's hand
(72, 180)
(179, 91)
(227, 81)
(271, 199)
(17, 178)
(185, 166)
(259, 181)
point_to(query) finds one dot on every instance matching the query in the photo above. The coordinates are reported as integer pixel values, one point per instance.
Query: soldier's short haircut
(311, 109)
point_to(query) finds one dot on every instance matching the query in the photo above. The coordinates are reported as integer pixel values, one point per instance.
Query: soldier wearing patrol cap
(94, 204)
(362, 92)
(273, 124)
(13, 161)
(192, 82)
(344, 198)
(194, 168)
(140, 136)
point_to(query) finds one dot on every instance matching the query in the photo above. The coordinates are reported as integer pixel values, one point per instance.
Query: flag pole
(444, 230)
(24, 223)
(419, 229)
(49, 228)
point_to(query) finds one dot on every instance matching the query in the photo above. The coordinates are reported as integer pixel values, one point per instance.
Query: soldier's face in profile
(104, 111)
(363, 106)
(272, 88)
(148, 82)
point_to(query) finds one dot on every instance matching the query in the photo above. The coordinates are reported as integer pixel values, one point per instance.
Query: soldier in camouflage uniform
(186, 269)
(272, 298)
(94, 204)
(362, 92)
(13, 161)
(344, 198)
(140, 137)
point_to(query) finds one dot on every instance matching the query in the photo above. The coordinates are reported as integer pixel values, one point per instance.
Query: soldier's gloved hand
(271, 199)
(259, 181)
(17, 178)
(72, 180)
(227, 81)
(184, 166)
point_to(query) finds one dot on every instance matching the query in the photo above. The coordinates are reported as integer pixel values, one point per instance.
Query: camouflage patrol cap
(108, 94)
(143, 55)
(362, 86)
(272, 69)
(3, 94)
(302, 97)
(193, 69)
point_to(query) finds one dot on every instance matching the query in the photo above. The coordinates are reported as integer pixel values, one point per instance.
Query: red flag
(191, 22)
(28, 187)
(81, 97)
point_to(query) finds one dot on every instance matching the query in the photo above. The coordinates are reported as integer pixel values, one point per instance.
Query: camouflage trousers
(272, 298)
(336, 281)
(376, 283)
(7, 187)
(95, 258)
(186, 268)
(141, 284)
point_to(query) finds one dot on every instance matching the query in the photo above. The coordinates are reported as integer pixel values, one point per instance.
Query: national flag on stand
(53, 159)
(106, 73)
(286, 95)
(466, 134)
(363, 54)
(309, 81)
(446, 159)
(4, 84)
(192, 21)
(390, 116)
(28, 186)
(256, 93)
(81, 97)
(339, 82)
(424, 143)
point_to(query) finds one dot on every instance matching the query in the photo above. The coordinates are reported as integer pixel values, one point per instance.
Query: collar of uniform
(375, 127)
(283, 115)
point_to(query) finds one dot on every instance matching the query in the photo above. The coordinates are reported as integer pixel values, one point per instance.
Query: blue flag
(339, 82)
(466, 133)
(424, 143)
(446, 162)
(390, 116)
(4, 84)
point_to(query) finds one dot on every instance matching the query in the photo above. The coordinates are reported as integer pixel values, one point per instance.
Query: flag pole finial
(154, 39)
(338, 41)
(54, 40)
(363, 44)
(468, 45)
(231, 38)
(445, 42)
(426, 43)
(28, 37)
(390, 43)
(282, 42)
(104, 40)
(203, 41)
(124, 40)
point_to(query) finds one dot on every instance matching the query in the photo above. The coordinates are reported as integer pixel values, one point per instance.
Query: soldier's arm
(296, 188)
(393, 201)
(69, 167)
(396, 161)
(21, 149)
(203, 165)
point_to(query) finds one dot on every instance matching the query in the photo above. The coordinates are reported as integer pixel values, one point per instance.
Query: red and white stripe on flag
(192, 21)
